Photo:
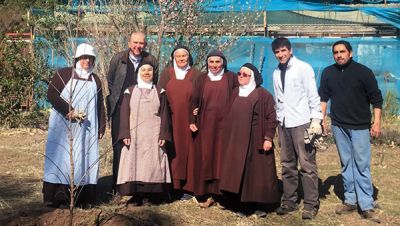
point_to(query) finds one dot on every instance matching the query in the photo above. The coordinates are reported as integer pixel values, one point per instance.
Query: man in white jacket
(299, 114)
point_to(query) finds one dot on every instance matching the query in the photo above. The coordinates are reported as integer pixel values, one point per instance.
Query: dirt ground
(21, 169)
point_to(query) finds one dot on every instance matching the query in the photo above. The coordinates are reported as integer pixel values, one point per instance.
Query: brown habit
(212, 98)
(247, 170)
(179, 95)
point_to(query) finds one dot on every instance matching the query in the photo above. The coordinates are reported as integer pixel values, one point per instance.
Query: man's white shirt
(300, 101)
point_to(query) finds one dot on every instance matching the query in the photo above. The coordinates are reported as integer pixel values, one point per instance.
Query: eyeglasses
(243, 74)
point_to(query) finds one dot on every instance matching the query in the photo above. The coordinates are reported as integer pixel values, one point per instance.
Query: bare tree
(166, 22)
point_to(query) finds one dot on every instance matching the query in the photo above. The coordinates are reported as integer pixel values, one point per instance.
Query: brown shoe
(370, 215)
(210, 201)
(285, 209)
(309, 214)
(345, 209)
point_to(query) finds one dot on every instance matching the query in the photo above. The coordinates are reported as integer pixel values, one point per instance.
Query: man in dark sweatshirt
(352, 88)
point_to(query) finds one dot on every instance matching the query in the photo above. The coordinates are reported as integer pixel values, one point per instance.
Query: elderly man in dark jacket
(122, 73)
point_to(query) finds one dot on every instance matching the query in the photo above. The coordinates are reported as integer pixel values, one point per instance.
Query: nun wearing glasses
(76, 123)
(248, 173)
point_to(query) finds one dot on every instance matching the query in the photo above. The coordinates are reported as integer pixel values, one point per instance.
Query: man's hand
(376, 129)
(325, 128)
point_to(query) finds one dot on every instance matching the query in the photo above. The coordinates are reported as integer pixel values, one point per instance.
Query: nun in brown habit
(212, 91)
(249, 171)
(177, 81)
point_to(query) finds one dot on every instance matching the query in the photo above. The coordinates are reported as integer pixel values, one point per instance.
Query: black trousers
(116, 144)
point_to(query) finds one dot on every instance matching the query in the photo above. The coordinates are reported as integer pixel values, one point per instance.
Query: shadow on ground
(337, 183)
(324, 188)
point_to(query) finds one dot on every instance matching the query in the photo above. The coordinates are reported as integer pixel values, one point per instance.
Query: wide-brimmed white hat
(84, 49)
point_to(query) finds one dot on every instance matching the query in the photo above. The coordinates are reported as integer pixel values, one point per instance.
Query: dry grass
(21, 172)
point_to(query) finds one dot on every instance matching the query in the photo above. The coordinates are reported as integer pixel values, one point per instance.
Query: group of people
(210, 134)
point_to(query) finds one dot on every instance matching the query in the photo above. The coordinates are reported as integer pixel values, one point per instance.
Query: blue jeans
(355, 156)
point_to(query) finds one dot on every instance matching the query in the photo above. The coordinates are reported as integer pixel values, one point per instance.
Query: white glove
(308, 137)
(315, 127)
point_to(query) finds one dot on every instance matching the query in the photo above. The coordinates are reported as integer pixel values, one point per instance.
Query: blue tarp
(103, 2)
(269, 5)
(353, 1)
(379, 54)
(278, 5)
(386, 14)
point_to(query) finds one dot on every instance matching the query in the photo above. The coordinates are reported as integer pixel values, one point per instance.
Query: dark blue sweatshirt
(351, 88)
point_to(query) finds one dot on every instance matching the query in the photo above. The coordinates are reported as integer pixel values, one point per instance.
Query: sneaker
(285, 209)
(345, 208)
(309, 214)
(370, 215)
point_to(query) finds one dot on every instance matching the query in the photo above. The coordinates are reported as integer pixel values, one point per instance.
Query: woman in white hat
(76, 124)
